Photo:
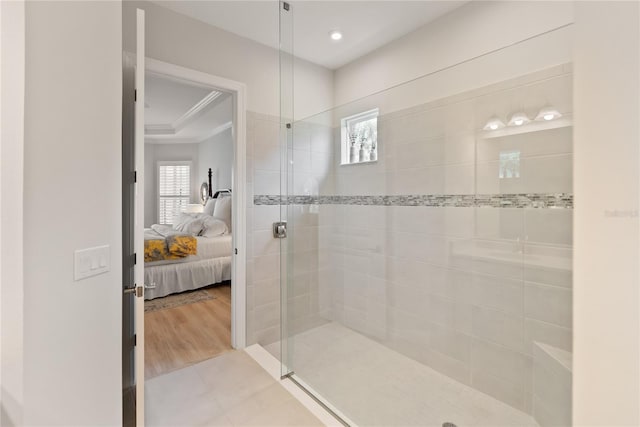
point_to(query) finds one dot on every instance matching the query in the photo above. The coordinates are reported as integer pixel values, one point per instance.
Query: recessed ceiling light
(335, 35)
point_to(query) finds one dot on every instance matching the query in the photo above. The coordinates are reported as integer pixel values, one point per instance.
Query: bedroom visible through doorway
(189, 239)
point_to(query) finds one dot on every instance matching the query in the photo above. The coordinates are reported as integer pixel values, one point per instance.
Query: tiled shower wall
(465, 290)
(465, 285)
(311, 150)
(263, 251)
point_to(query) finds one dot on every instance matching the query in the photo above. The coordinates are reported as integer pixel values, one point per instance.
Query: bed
(211, 262)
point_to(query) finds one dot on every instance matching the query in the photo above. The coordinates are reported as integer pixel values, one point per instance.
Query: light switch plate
(91, 262)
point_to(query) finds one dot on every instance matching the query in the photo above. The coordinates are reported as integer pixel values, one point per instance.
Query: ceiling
(366, 25)
(177, 111)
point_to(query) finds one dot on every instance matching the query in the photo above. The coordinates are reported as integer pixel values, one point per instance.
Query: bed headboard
(217, 193)
(222, 192)
(210, 189)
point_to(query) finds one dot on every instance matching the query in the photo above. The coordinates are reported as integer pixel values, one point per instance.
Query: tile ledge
(560, 356)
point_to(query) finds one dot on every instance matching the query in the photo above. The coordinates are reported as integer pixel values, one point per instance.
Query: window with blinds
(174, 190)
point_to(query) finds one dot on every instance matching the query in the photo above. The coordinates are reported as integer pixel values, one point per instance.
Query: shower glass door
(426, 274)
(286, 176)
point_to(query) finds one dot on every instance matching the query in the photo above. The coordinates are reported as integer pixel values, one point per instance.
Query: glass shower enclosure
(426, 273)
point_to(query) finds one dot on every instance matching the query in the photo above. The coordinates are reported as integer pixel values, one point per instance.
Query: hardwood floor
(181, 336)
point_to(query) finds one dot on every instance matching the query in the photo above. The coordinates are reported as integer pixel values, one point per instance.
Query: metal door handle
(137, 290)
(280, 230)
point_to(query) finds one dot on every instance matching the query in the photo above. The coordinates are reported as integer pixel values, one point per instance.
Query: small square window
(360, 138)
(509, 164)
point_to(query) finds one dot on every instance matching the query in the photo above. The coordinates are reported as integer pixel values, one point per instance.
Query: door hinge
(135, 258)
(135, 176)
(236, 251)
(285, 5)
(135, 95)
(288, 125)
(135, 340)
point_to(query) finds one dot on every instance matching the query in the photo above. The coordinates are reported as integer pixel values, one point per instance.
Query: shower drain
(449, 425)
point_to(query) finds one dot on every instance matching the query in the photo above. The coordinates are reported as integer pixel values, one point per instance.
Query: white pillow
(208, 208)
(222, 210)
(181, 218)
(189, 225)
(213, 227)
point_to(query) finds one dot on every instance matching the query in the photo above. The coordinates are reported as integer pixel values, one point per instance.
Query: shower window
(360, 137)
(509, 164)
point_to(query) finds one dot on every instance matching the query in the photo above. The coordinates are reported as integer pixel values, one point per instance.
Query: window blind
(173, 191)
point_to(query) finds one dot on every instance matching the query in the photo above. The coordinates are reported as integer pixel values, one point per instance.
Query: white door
(138, 229)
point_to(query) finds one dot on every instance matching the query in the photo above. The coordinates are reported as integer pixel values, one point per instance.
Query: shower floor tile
(376, 386)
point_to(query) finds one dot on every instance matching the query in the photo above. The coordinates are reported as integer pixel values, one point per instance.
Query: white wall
(216, 153)
(606, 388)
(180, 40)
(154, 153)
(72, 200)
(11, 179)
(474, 29)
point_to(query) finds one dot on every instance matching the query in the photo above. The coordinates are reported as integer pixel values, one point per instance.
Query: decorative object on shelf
(204, 193)
(362, 152)
(353, 151)
(373, 154)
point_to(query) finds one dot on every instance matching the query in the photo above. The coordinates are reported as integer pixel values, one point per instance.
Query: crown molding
(165, 129)
(181, 122)
(195, 111)
(216, 131)
(195, 140)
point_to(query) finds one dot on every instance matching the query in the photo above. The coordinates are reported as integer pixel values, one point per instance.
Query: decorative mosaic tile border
(536, 201)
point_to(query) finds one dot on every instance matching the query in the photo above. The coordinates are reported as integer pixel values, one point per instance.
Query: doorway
(224, 288)
(188, 187)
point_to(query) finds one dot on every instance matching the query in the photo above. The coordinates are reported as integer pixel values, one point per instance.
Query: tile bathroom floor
(228, 390)
(373, 385)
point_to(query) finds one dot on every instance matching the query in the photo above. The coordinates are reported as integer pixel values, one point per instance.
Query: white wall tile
(264, 243)
(266, 267)
(502, 390)
(506, 295)
(499, 327)
(551, 304)
(266, 292)
(267, 158)
(301, 160)
(501, 362)
(548, 174)
(447, 365)
(267, 315)
(504, 223)
(552, 226)
(547, 333)
(266, 182)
